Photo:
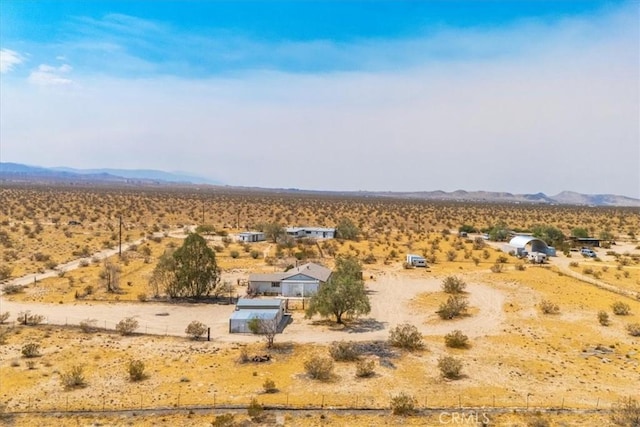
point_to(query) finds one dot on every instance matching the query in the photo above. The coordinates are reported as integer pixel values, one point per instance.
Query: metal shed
(520, 243)
(239, 320)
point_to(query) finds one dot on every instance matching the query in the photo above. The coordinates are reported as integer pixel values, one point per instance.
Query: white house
(248, 309)
(302, 281)
(314, 232)
(251, 236)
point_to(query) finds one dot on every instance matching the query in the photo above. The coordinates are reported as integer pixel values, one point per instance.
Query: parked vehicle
(416, 261)
(537, 257)
(588, 252)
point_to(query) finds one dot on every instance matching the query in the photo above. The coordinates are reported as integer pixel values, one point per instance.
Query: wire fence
(74, 401)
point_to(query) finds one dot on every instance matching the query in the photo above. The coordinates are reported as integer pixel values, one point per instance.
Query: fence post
(597, 403)
(562, 407)
(322, 405)
(178, 403)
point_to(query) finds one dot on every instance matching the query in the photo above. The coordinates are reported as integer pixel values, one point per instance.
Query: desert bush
(453, 285)
(603, 318)
(127, 325)
(3, 317)
(626, 412)
(269, 386)
(319, 368)
(634, 329)
(450, 367)
(27, 318)
(254, 254)
(344, 351)
(365, 368)
(620, 308)
(574, 264)
(244, 356)
(549, 307)
(73, 378)
(456, 339)
(5, 272)
(406, 336)
(520, 267)
(455, 306)
(497, 267)
(224, 420)
(31, 350)
(88, 325)
(451, 255)
(11, 289)
(255, 409)
(4, 334)
(403, 404)
(136, 370)
(196, 329)
(234, 254)
(537, 420)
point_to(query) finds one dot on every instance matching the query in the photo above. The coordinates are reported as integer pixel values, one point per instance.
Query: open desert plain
(91, 335)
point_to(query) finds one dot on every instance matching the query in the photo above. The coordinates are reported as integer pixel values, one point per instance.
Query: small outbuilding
(251, 236)
(249, 309)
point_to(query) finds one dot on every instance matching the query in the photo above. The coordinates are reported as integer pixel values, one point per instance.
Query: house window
(275, 284)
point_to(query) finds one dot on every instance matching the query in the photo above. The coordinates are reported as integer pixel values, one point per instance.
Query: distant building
(579, 242)
(251, 236)
(303, 281)
(523, 245)
(314, 232)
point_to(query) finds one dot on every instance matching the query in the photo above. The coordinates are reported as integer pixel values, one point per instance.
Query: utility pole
(203, 211)
(120, 238)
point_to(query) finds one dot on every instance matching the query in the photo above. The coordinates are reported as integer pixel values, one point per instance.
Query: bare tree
(268, 328)
(110, 276)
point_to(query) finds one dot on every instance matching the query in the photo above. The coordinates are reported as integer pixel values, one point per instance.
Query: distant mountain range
(15, 172)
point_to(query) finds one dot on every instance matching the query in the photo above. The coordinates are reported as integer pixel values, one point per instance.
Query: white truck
(537, 257)
(416, 260)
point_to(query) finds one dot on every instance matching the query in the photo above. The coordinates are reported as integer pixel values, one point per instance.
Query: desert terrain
(520, 366)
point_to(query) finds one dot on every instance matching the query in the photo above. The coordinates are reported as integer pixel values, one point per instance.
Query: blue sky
(519, 96)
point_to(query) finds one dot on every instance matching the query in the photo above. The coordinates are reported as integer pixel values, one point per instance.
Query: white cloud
(9, 59)
(47, 75)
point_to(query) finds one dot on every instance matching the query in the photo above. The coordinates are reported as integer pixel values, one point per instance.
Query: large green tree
(196, 270)
(189, 271)
(346, 229)
(551, 235)
(344, 293)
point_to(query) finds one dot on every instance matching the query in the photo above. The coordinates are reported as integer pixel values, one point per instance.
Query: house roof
(249, 304)
(312, 270)
(265, 314)
(250, 233)
(315, 271)
(316, 229)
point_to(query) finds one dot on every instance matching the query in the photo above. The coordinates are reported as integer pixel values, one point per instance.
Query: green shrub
(344, 351)
(549, 307)
(127, 326)
(269, 386)
(450, 367)
(73, 378)
(136, 370)
(453, 285)
(455, 306)
(196, 329)
(620, 308)
(254, 254)
(255, 409)
(403, 404)
(234, 254)
(319, 368)
(634, 329)
(406, 336)
(456, 339)
(31, 350)
(603, 318)
(365, 368)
